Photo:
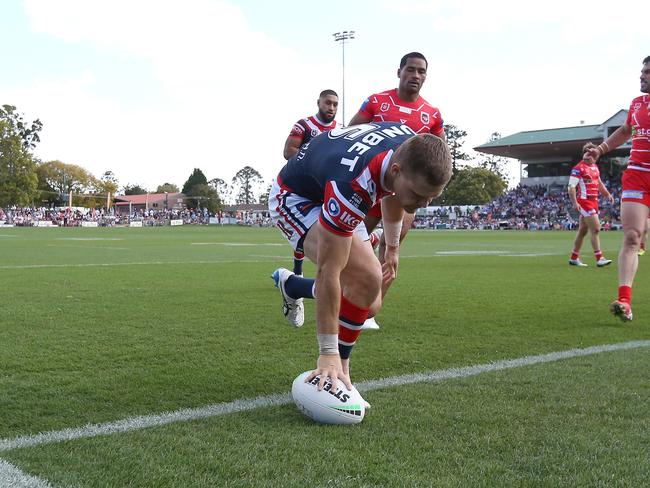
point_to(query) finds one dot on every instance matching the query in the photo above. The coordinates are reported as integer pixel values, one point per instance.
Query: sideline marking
(243, 405)
(10, 475)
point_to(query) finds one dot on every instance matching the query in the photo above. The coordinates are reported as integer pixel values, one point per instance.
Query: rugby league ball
(326, 406)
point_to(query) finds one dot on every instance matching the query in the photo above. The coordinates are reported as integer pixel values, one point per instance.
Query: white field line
(215, 261)
(243, 405)
(13, 477)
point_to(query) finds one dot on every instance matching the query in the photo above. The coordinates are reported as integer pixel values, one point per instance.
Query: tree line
(25, 180)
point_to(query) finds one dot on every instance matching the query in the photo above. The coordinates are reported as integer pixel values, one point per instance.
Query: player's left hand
(610, 198)
(389, 266)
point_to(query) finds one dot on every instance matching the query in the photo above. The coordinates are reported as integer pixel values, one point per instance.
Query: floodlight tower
(343, 37)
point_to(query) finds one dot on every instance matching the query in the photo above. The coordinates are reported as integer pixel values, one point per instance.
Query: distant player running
(304, 131)
(635, 198)
(584, 186)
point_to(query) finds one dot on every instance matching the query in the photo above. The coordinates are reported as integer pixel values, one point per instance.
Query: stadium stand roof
(550, 142)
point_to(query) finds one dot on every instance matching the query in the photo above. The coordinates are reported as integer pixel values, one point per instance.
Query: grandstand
(546, 156)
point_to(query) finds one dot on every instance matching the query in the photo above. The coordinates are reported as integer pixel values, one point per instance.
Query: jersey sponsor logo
(634, 194)
(349, 220)
(384, 107)
(333, 207)
(424, 117)
(314, 132)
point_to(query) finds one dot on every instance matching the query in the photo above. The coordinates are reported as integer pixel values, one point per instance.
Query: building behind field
(546, 156)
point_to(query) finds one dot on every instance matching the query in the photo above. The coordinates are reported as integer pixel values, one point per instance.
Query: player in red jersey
(402, 104)
(304, 131)
(635, 198)
(584, 186)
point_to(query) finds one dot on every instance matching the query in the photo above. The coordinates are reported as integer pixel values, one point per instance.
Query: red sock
(643, 246)
(351, 318)
(625, 293)
(598, 254)
(373, 239)
(574, 255)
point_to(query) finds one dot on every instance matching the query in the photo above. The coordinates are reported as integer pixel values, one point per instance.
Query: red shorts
(636, 187)
(588, 207)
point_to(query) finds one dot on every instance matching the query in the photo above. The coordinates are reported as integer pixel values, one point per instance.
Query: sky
(151, 89)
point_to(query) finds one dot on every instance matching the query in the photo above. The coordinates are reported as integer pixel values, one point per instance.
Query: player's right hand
(329, 365)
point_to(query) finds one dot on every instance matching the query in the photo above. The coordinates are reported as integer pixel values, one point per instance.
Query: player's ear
(399, 72)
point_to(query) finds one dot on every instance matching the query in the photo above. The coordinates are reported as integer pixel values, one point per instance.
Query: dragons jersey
(638, 118)
(419, 115)
(586, 177)
(308, 128)
(343, 170)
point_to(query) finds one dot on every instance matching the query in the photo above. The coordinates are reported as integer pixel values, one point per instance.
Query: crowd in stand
(522, 208)
(75, 217)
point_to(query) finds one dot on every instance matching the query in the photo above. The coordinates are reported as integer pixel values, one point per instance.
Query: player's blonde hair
(426, 156)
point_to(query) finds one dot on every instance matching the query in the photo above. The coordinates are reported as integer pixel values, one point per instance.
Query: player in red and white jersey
(306, 129)
(405, 105)
(584, 187)
(635, 198)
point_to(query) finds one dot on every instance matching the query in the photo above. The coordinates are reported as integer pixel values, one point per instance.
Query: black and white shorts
(294, 215)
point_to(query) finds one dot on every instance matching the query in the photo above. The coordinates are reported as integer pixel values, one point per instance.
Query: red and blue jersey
(420, 115)
(309, 127)
(343, 170)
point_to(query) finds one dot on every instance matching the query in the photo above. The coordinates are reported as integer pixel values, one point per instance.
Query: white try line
(135, 423)
(13, 477)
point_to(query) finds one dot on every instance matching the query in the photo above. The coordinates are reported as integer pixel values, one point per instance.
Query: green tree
(205, 196)
(455, 137)
(496, 164)
(264, 196)
(134, 189)
(196, 178)
(62, 179)
(18, 179)
(167, 188)
(246, 179)
(223, 189)
(473, 186)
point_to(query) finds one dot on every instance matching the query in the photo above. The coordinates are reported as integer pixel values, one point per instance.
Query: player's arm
(392, 214)
(333, 254)
(360, 118)
(364, 115)
(571, 189)
(604, 191)
(291, 146)
(618, 137)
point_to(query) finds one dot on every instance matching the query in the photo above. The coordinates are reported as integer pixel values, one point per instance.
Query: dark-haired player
(405, 105)
(304, 131)
(635, 197)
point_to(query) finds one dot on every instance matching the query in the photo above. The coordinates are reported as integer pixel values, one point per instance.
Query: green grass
(141, 321)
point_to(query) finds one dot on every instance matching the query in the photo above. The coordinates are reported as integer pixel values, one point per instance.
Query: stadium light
(343, 37)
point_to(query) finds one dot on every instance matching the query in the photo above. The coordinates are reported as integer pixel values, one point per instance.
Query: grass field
(102, 325)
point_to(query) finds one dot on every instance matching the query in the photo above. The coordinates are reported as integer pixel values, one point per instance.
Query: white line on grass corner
(13, 477)
(136, 423)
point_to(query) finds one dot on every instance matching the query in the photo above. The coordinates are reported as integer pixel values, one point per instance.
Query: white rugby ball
(342, 406)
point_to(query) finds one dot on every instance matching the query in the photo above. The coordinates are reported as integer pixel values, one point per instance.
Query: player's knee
(632, 238)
